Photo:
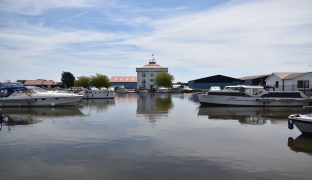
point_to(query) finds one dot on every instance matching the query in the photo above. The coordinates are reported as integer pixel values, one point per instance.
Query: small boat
(95, 93)
(21, 96)
(162, 90)
(242, 95)
(121, 90)
(142, 90)
(302, 121)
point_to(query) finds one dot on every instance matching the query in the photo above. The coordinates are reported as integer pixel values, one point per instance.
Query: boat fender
(290, 124)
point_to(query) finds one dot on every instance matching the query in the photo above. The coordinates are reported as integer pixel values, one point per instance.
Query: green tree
(21, 81)
(100, 80)
(164, 79)
(82, 81)
(68, 79)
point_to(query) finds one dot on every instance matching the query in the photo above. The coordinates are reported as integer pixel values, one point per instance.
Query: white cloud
(36, 7)
(260, 36)
(235, 39)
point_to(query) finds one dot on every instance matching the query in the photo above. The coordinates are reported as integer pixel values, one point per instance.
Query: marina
(152, 136)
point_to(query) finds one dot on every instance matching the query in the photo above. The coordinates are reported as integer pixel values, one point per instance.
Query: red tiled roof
(42, 83)
(33, 82)
(123, 79)
(47, 83)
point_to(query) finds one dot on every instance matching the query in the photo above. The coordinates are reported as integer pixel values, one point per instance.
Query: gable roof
(215, 79)
(254, 77)
(288, 75)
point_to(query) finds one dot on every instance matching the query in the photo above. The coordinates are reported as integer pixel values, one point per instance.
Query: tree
(68, 79)
(100, 80)
(21, 81)
(82, 81)
(164, 79)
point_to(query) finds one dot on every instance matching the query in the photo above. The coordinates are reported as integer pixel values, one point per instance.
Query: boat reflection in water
(98, 104)
(28, 116)
(154, 106)
(302, 143)
(249, 115)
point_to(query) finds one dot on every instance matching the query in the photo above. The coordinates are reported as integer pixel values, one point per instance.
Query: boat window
(283, 94)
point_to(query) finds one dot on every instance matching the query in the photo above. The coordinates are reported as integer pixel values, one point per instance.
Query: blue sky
(194, 39)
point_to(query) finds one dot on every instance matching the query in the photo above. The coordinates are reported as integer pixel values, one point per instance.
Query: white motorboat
(95, 93)
(162, 90)
(302, 121)
(121, 90)
(242, 95)
(20, 96)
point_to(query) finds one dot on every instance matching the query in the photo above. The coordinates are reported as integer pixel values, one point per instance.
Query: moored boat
(302, 121)
(23, 96)
(95, 93)
(243, 95)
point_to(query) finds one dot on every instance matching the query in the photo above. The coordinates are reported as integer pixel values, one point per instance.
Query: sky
(194, 39)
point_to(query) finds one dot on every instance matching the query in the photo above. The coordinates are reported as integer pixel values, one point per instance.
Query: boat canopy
(7, 91)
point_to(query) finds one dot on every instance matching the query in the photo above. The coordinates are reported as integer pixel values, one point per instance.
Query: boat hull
(108, 95)
(303, 124)
(40, 101)
(207, 99)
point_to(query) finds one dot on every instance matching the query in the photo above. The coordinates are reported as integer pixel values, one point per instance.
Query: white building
(146, 75)
(290, 81)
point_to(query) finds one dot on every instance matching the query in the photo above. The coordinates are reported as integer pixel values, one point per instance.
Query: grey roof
(289, 75)
(253, 77)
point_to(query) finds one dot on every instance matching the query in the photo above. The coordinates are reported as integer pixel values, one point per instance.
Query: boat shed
(217, 80)
(128, 82)
(255, 80)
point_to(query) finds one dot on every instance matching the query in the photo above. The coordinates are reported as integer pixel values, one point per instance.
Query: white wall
(290, 84)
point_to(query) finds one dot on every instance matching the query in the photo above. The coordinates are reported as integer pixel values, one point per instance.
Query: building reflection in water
(249, 115)
(27, 116)
(154, 106)
(302, 143)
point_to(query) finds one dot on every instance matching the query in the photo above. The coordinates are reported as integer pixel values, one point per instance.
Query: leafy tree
(164, 79)
(68, 79)
(100, 80)
(21, 81)
(82, 81)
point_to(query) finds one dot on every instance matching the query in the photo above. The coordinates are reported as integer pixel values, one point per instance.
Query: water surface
(152, 137)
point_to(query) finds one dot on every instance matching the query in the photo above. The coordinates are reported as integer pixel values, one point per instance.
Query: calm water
(152, 137)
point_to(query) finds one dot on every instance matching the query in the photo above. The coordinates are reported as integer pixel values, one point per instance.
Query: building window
(143, 81)
(152, 80)
(152, 74)
(143, 75)
(276, 84)
(303, 84)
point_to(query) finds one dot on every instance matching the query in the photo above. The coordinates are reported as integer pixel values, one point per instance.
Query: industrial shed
(217, 80)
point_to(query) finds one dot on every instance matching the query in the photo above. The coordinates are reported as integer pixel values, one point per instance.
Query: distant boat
(302, 122)
(21, 96)
(142, 90)
(121, 90)
(95, 93)
(242, 95)
(162, 90)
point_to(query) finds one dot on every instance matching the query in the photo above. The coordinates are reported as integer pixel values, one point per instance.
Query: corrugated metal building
(217, 80)
(255, 80)
(128, 82)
